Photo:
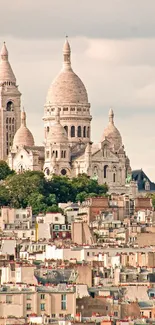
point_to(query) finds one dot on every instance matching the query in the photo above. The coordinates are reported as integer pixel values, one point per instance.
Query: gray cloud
(54, 18)
(113, 52)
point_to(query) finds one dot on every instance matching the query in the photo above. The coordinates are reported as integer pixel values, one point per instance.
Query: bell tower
(9, 104)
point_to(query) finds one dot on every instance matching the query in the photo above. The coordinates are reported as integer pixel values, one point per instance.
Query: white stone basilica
(67, 149)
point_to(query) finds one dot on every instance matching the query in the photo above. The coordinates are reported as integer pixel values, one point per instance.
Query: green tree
(54, 208)
(21, 186)
(36, 201)
(5, 170)
(80, 197)
(4, 196)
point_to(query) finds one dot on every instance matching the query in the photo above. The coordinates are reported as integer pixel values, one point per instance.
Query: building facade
(68, 149)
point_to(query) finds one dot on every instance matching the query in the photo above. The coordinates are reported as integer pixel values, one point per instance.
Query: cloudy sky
(113, 51)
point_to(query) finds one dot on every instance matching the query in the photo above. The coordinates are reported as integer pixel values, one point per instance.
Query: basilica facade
(68, 149)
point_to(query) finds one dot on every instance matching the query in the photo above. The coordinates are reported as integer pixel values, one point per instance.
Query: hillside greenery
(32, 189)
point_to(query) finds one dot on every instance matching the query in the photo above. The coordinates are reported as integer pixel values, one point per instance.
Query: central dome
(67, 88)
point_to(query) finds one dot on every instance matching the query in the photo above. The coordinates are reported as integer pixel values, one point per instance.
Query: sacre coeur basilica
(68, 149)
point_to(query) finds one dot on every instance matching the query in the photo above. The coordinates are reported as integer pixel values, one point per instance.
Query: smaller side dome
(111, 133)
(57, 132)
(23, 136)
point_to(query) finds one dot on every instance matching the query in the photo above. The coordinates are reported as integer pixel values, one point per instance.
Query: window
(9, 106)
(62, 154)
(105, 171)
(53, 315)
(56, 218)
(115, 313)
(63, 172)
(56, 227)
(28, 297)
(63, 227)
(17, 216)
(84, 132)
(42, 296)
(72, 131)
(63, 302)
(87, 253)
(56, 154)
(79, 131)
(47, 171)
(42, 307)
(9, 299)
(48, 128)
(114, 177)
(28, 306)
(66, 129)
(61, 315)
(47, 154)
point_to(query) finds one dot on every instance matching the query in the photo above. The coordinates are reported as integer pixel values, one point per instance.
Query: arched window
(72, 131)
(79, 131)
(9, 106)
(88, 132)
(66, 129)
(84, 132)
(105, 171)
(114, 177)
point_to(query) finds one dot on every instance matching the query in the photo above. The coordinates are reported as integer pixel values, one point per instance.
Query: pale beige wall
(27, 275)
(18, 307)
(145, 239)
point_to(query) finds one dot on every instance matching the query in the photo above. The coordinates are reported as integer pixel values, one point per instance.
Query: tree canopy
(5, 170)
(32, 189)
